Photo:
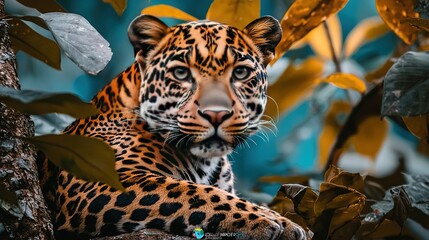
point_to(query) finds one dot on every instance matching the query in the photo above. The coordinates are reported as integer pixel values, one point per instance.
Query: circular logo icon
(198, 233)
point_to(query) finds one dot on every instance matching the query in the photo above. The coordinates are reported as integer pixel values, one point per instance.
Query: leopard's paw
(293, 231)
(261, 227)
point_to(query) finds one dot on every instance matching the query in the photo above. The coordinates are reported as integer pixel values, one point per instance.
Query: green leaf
(406, 86)
(35, 102)
(84, 157)
(43, 6)
(118, 5)
(79, 40)
(26, 39)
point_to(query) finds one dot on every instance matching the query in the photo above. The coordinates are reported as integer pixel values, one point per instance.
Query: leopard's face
(203, 83)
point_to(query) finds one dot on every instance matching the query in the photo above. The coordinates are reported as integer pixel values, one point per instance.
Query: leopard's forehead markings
(207, 45)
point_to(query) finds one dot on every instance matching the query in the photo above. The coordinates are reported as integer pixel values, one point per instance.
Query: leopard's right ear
(145, 32)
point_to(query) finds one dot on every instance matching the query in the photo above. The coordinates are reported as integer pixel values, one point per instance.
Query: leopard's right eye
(181, 73)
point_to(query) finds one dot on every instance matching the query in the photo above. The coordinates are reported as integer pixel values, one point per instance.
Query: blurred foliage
(396, 90)
(118, 5)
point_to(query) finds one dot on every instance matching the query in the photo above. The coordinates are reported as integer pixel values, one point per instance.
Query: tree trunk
(29, 219)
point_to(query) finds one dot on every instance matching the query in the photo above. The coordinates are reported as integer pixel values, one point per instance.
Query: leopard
(194, 92)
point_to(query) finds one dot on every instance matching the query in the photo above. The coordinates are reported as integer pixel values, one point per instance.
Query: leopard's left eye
(241, 73)
(181, 73)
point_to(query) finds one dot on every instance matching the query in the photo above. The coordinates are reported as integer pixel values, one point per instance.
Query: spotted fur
(195, 92)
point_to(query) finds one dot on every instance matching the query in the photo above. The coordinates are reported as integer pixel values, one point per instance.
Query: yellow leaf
(331, 128)
(393, 12)
(319, 42)
(367, 30)
(419, 126)
(370, 136)
(294, 84)
(346, 81)
(418, 22)
(237, 13)
(163, 10)
(302, 17)
(118, 5)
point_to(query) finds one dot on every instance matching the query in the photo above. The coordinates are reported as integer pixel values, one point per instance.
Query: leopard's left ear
(266, 34)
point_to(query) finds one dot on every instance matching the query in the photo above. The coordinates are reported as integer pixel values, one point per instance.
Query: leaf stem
(335, 58)
(331, 47)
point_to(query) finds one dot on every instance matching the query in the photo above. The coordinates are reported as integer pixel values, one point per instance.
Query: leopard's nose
(215, 117)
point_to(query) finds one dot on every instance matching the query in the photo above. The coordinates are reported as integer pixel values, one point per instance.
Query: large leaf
(406, 86)
(35, 102)
(79, 40)
(43, 6)
(84, 157)
(346, 81)
(367, 30)
(237, 13)
(118, 5)
(26, 39)
(393, 12)
(295, 83)
(163, 10)
(302, 17)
